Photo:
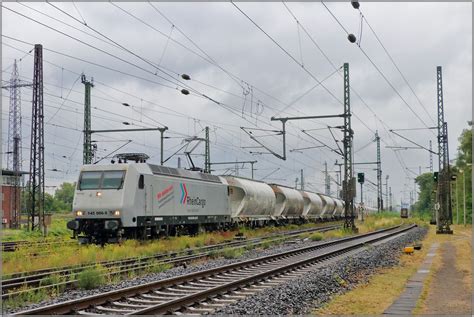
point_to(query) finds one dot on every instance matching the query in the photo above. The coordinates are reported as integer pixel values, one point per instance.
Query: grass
(90, 278)
(316, 236)
(381, 289)
(156, 267)
(386, 285)
(57, 230)
(65, 255)
(232, 253)
(25, 298)
(461, 239)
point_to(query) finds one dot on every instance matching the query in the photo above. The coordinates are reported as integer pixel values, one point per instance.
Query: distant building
(10, 192)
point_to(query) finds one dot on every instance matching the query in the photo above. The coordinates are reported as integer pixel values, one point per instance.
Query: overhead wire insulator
(185, 77)
(352, 38)
(355, 4)
(185, 91)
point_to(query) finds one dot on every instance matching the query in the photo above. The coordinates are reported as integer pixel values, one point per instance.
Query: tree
(64, 196)
(465, 148)
(464, 157)
(48, 202)
(426, 184)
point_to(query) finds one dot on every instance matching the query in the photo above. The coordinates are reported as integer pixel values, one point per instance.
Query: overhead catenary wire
(397, 67)
(385, 126)
(378, 69)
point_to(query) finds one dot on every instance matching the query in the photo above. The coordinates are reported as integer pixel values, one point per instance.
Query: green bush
(51, 279)
(90, 278)
(316, 236)
(159, 267)
(232, 253)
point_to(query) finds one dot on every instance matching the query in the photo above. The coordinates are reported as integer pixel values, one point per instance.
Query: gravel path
(302, 295)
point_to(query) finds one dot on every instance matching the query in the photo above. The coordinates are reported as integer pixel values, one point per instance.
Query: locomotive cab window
(101, 180)
(90, 180)
(141, 182)
(113, 179)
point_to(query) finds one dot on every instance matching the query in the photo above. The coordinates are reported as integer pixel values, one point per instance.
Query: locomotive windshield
(101, 180)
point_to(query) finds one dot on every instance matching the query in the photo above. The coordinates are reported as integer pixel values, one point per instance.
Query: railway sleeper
(199, 310)
(114, 310)
(223, 301)
(130, 305)
(211, 305)
(144, 301)
(244, 292)
(203, 284)
(193, 288)
(83, 312)
(233, 296)
(158, 297)
(219, 279)
(177, 290)
(167, 293)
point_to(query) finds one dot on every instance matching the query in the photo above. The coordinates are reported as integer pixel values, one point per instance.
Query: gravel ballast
(302, 295)
(297, 296)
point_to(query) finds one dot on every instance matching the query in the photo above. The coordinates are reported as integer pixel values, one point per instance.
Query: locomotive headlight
(79, 213)
(98, 194)
(117, 213)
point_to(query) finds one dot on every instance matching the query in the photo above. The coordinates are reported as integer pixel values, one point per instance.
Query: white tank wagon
(289, 202)
(250, 200)
(328, 207)
(313, 205)
(339, 210)
(143, 200)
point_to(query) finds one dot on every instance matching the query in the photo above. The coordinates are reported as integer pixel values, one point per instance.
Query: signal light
(435, 176)
(360, 178)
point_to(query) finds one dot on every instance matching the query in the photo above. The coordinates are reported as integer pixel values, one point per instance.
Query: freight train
(144, 201)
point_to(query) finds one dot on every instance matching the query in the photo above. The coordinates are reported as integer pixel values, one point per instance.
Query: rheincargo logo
(187, 200)
(184, 193)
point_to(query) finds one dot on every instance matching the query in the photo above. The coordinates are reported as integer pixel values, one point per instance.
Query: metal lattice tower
(14, 122)
(36, 180)
(379, 174)
(431, 158)
(14, 144)
(444, 211)
(327, 184)
(349, 181)
(207, 154)
(87, 145)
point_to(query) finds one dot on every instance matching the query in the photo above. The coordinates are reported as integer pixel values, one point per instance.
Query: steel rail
(79, 305)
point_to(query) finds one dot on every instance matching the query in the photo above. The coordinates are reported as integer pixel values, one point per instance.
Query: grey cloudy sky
(259, 81)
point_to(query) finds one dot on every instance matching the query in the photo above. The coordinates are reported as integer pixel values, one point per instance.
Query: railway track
(25, 282)
(11, 246)
(204, 291)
